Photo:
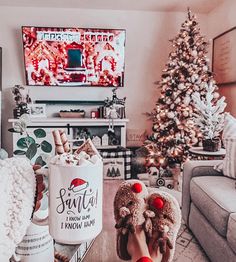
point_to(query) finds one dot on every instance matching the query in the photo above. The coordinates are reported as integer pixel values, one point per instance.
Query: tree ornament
(216, 95)
(185, 114)
(177, 100)
(194, 77)
(161, 101)
(155, 135)
(181, 86)
(168, 92)
(194, 53)
(170, 114)
(155, 127)
(162, 115)
(187, 100)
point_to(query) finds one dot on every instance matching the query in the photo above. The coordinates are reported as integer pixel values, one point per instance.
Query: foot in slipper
(129, 206)
(163, 219)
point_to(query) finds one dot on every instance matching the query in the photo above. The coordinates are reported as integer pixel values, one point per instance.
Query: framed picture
(224, 57)
(113, 168)
(37, 110)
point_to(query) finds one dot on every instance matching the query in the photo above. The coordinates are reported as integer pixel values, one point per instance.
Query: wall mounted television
(73, 56)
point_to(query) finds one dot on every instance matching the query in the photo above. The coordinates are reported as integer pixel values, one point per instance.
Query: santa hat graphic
(78, 184)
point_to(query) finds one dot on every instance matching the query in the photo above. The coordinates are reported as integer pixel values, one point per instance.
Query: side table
(199, 154)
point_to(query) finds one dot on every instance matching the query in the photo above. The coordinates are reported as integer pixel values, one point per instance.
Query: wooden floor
(104, 247)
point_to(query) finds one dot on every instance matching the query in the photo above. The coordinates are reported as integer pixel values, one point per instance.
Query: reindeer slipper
(129, 206)
(163, 220)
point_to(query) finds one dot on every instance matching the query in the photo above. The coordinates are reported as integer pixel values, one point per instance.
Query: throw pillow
(229, 162)
(229, 127)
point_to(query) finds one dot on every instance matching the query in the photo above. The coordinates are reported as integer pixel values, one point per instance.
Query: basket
(72, 114)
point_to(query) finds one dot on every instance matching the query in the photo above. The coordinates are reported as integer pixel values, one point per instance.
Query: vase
(211, 145)
(37, 245)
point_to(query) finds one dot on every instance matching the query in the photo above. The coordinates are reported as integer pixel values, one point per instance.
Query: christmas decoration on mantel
(186, 72)
(209, 118)
(114, 109)
(22, 99)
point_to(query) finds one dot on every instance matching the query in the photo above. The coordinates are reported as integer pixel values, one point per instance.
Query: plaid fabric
(125, 153)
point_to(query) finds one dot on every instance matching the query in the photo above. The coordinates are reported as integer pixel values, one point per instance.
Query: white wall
(220, 20)
(146, 52)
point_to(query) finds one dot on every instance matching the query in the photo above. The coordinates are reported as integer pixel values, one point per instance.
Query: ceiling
(198, 6)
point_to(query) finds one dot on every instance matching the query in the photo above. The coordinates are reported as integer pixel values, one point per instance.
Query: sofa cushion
(215, 197)
(231, 232)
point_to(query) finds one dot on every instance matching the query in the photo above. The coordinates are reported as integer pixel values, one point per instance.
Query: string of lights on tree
(186, 72)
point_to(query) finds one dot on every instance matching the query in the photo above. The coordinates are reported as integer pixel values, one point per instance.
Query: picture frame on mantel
(224, 57)
(37, 110)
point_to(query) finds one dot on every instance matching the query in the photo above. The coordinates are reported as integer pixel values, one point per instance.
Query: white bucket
(75, 202)
(37, 245)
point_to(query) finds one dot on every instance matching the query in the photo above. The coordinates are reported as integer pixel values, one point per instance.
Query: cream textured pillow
(229, 162)
(229, 127)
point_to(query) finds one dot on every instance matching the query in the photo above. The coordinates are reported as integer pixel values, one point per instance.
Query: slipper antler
(163, 241)
(148, 226)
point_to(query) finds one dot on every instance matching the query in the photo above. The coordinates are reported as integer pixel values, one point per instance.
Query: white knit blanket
(17, 191)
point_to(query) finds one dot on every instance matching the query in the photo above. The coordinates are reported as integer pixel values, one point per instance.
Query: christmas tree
(186, 72)
(209, 116)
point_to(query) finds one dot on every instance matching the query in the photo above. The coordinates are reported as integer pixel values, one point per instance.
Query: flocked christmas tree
(209, 117)
(186, 72)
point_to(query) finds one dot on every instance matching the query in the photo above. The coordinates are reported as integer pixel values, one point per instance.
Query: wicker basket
(72, 114)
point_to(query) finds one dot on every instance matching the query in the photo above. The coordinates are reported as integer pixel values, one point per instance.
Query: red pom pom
(158, 203)
(136, 187)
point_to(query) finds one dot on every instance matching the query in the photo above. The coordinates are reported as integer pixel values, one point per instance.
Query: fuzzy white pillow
(17, 187)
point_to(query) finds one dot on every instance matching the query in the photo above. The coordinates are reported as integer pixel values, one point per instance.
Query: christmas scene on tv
(73, 57)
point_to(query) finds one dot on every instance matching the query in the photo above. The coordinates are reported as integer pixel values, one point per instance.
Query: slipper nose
(158, 203)
(137, 188)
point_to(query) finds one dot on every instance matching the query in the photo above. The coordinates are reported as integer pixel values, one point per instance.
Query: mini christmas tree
(186, 72)
(209, 117)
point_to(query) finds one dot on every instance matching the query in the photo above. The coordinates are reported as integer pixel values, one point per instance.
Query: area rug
(187, 247)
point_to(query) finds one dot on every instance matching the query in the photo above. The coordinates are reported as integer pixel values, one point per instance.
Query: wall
(220, 20)
(147, 49)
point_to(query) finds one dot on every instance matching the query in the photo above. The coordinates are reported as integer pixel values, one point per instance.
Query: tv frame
(79, 85)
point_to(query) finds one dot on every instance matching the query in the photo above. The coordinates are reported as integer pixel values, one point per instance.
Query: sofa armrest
(194, 169)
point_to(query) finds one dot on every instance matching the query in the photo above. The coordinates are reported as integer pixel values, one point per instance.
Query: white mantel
(74, 121)
(68, 123)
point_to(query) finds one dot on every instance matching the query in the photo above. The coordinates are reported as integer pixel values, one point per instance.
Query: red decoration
(158, 203)
(136, 187)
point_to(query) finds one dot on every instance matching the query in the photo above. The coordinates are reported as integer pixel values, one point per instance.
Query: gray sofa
(209, 209)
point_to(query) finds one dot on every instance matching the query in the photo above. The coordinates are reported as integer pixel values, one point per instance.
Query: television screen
(73, 56)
